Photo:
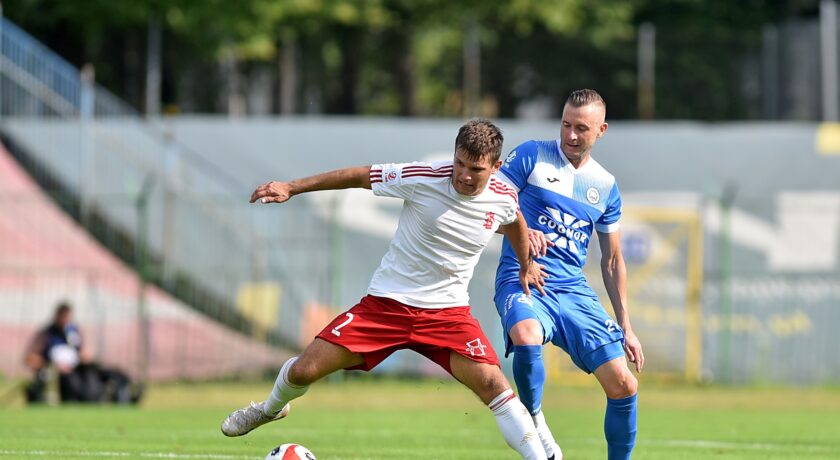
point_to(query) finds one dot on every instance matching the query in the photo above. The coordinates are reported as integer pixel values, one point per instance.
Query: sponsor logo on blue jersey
(565, 230)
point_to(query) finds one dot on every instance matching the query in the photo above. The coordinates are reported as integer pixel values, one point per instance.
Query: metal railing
(82, 142)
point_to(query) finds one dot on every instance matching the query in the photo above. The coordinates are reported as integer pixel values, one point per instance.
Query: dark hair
(582, 97)
(479, 138)
(62, 307)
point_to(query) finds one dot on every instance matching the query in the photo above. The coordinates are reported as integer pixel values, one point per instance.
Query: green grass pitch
(368, 419)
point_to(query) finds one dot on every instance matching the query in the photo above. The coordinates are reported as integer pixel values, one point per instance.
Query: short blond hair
(582, 97)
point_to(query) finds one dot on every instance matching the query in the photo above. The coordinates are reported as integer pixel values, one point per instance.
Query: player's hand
(523, 280)
(535, 276)
(633, 348)
(539, 245)
(64, 368)
(272, 192)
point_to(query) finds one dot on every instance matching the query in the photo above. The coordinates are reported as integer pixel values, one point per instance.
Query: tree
(407, 57)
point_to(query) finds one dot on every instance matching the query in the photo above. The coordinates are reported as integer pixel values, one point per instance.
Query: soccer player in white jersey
(418, 296)
(564, 194)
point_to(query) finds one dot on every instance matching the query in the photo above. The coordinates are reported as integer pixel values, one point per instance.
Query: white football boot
(242, 421)
(558, 454)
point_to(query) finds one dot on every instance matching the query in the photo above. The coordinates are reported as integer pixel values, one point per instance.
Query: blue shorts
(575, 322)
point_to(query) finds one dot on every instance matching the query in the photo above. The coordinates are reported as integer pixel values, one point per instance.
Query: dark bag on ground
(88, 383)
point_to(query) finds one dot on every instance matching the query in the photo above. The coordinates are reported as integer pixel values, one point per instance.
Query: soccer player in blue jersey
(564, 195)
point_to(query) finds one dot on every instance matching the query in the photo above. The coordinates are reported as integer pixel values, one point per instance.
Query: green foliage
(405, 56)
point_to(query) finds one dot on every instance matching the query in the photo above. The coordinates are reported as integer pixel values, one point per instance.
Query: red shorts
(378, 326)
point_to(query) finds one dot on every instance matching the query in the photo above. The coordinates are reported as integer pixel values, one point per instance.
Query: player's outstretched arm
(517, 234)
(614, 272)
(279, 192)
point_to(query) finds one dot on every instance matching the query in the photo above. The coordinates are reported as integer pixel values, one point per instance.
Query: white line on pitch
(706, 444)
(95, 453)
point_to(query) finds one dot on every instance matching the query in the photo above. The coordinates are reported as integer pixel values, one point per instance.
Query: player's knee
(302, 374)
(624, 386)
(527, 332)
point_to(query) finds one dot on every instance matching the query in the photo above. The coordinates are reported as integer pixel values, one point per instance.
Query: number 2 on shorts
(346, 322)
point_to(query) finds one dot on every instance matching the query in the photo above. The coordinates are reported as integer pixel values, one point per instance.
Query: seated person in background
(60, 344)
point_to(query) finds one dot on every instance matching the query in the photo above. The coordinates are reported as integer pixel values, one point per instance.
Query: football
(290, 452)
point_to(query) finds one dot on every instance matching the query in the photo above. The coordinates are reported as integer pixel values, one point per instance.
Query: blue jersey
(564, 203)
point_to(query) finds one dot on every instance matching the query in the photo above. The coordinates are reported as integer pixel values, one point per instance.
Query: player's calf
(516, 426)
(491, 386)
(620, 387)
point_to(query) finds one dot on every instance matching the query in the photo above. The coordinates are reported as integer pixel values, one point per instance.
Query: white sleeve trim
(609, 228)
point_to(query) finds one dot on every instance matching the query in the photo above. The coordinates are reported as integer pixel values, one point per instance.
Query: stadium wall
(766, 197)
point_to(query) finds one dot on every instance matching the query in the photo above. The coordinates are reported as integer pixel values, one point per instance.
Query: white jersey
(440, 236)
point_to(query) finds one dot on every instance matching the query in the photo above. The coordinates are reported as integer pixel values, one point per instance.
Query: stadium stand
(46, 256)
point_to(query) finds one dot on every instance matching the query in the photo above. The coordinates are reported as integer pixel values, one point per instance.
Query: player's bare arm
(280, 192)
(539, 243)
(517, 234)
(614, 273)
(33, 358)
(538, 246)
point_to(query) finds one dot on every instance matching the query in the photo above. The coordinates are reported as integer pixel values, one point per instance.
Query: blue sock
(529, 374)
(620, 427)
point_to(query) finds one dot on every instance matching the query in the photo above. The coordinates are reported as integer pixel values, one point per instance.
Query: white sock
(516, 426)
(548, 442)
(283, 390)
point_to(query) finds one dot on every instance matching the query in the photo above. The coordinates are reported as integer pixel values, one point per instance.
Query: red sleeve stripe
(502, 184)
(427, 168)
(433, 171)
(413, 171)
(430, 171)
(501, 189)
(426, 174)
(508, 192)
(442, 176)
(512, 196)
(417, 168)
